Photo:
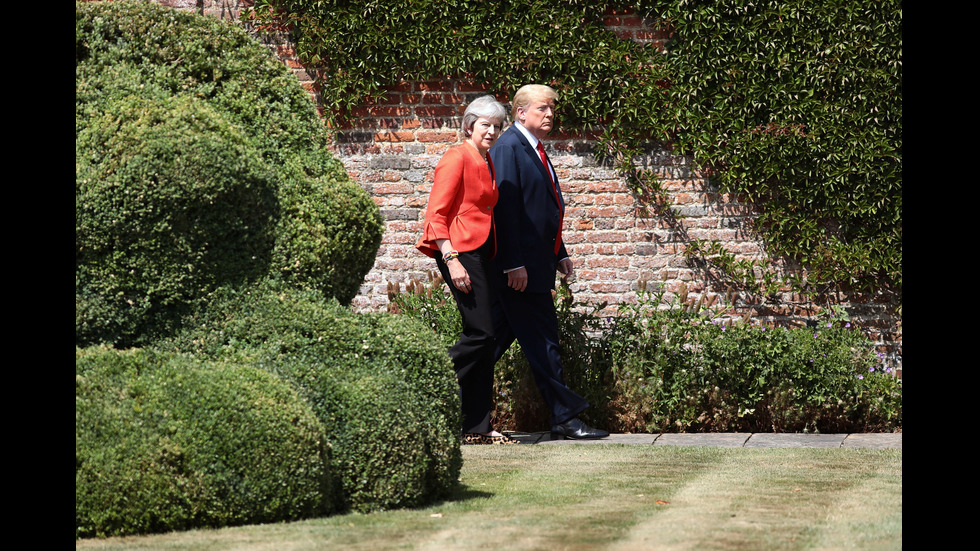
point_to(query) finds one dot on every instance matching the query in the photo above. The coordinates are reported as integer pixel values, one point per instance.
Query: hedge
(215, 230)
(382, 386)
(171, 202)
(685, 369)
(277, 405)
(165, 442)
(200, 163)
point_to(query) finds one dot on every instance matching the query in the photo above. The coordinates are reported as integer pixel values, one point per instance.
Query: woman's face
(484, 133)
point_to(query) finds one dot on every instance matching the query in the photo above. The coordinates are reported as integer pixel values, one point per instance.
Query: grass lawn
(613, 497)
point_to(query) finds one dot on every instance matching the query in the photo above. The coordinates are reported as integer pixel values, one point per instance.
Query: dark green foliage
(141, 48)
(213, 224)
(798, 105)
(682, 370)
(382, 386)
(390, 452)
(328, 236)
(661, 368)
(795, 105)
(200, 163)
(364, 46)
(165, 442)
(171, 202)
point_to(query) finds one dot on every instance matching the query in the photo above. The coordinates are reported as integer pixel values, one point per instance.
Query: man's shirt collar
(527, 134)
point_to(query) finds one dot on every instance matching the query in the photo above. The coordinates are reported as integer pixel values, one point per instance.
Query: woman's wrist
(451, 255)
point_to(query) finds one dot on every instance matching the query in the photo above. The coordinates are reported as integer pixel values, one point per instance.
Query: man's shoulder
(512, 137)
(509, 140)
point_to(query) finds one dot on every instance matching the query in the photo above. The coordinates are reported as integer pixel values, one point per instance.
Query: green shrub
(328, 235)
(171, 202)
(126, 48)
(680, 370)
(200, 162)
(663, 367)
(388, 451)
(164, 442)
(381, 385)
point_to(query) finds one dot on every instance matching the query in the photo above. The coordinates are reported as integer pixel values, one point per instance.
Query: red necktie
(554, 188)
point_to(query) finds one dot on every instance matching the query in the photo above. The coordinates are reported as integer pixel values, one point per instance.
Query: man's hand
(565, 267)
(517, 279)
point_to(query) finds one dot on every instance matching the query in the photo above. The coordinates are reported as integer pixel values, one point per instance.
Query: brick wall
(391, 148)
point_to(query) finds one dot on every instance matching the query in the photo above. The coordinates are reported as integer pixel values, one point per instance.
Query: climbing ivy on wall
(363, 46)
(795, 105)
(799, 105)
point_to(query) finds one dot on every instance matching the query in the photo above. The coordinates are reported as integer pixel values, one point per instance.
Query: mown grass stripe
(585, 498)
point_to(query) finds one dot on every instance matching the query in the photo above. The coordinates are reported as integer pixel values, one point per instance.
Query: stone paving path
(731, 440)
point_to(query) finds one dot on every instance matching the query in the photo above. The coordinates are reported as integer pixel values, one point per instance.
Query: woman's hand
(461, 279)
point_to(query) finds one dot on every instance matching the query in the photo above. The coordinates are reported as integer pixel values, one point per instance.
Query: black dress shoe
(577, 430)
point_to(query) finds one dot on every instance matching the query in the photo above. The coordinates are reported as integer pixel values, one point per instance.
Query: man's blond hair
(529, 93)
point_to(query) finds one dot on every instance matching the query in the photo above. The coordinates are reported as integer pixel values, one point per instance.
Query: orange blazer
(461, 202)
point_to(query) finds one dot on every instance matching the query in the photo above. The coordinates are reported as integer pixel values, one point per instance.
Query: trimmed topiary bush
(200, 163)
(171, 202)
(211, 220)
(164, 442)
(387, 449)
(328, 236)
(382, 385)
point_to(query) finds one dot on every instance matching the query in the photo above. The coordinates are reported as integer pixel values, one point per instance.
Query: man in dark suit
(528, 218)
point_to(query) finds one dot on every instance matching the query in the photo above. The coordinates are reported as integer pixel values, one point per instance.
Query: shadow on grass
(461, 493)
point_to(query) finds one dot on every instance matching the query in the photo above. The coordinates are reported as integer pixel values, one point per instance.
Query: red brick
(401, 86)
(448, 136)
(436, 149)
(471, 86)
(435, 111)
(394, 137)
(387, 123)
(389, 111)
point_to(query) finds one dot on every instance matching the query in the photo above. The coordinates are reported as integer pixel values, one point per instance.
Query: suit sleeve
(510, 207)
(443, 200)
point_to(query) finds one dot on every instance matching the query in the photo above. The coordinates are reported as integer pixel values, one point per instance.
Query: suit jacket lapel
(533, 154)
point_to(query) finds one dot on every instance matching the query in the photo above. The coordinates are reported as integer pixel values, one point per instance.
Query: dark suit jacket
(527, 214)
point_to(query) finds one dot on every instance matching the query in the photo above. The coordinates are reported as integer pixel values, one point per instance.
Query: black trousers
(473, 354)
(531, 319)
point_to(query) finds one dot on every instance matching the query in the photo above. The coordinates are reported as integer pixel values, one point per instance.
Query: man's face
(538, 117)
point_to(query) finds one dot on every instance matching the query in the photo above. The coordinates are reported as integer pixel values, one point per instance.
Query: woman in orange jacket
(459, 233)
